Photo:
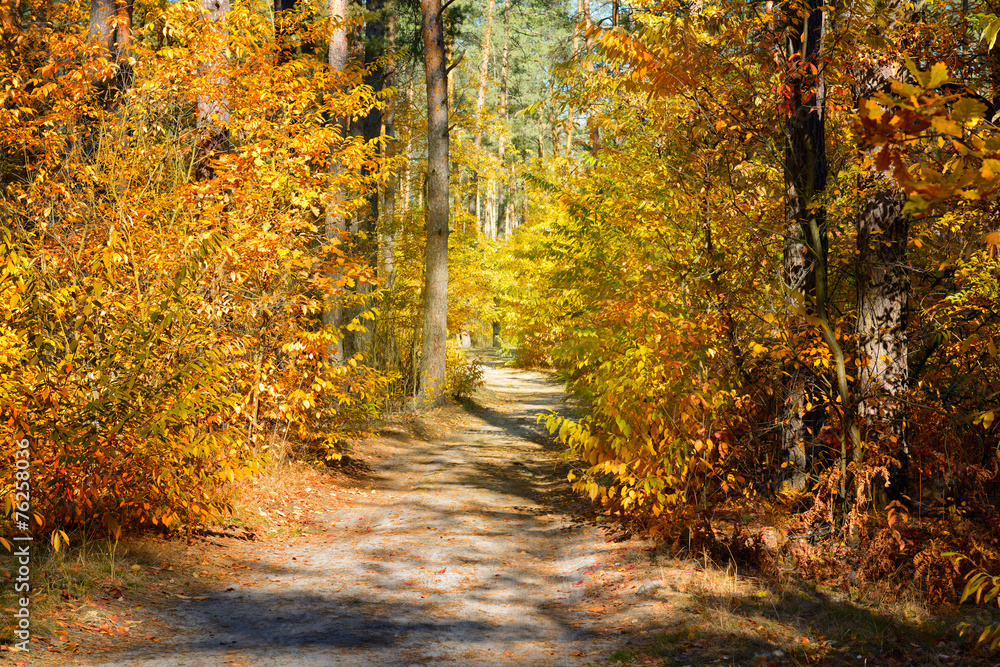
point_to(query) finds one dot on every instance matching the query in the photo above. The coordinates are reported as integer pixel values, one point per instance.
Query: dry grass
(718, 615)
(82, 587)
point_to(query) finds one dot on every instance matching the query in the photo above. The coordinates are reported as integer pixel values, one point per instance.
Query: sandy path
(459, 555)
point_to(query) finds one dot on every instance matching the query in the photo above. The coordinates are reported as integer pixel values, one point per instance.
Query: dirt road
(460, 554)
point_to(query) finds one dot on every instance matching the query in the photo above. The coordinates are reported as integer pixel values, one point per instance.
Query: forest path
(464, 552)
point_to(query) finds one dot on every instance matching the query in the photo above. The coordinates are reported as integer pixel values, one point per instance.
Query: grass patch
(622, 656)
(77, 572)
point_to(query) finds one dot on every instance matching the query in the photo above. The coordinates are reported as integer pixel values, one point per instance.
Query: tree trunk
(484, 65)
(475, 209)
(282, 30)
(407, 168)
(554, 129)
(595, 131)
(502, 229)
(883, 289)
(213, 107)
(339, 49)
(435, 329)
(336, 222)
(388, 240)
(576, 30)
(110, 25)
(576, 54)
(804, 251)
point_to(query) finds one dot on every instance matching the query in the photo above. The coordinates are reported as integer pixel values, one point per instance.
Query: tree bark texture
(475, 206)
(283, 29)
(435, 329)
(388, 230)
(484, 66)
(883, 289)
(110, 25)
(504, 185)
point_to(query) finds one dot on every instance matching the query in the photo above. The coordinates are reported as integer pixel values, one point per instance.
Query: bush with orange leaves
(160, 334)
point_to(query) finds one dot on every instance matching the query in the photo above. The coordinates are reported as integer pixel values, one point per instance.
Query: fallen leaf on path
(441, 571)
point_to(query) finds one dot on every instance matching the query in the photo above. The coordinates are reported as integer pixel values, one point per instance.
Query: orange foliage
(159, 335)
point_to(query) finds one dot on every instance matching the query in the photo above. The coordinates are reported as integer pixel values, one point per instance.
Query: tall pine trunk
(504, 186)
(576, 54)
(475, 205)
(435, 297)
(388, 232)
